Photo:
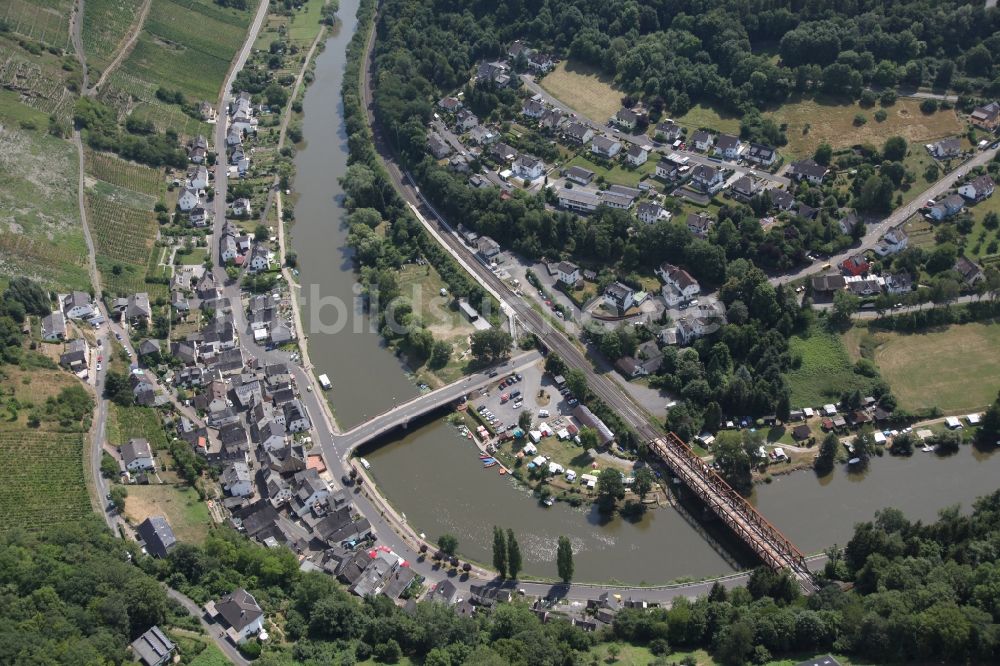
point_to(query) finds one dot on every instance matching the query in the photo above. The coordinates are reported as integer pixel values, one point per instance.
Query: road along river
(433, 476)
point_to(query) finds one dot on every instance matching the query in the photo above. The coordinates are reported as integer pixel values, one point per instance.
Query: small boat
(548, 501)
(489, 463)
(854, 461)
(927, 448)
(502, 471)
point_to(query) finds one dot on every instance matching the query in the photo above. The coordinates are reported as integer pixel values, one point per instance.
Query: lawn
(124, 423)
(305, 24)
(704, 116)
(41, 235)
(833, 122)
(584, 89)
(617, 175)
(196, 258)
(210, 656)
(956, 369)
(41, 480)
(184, 510)
(980, 239)
(825, 372)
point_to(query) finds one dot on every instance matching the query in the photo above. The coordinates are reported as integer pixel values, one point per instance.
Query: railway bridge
(774, 548)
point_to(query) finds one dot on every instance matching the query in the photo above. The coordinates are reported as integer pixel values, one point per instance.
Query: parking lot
(535, 392)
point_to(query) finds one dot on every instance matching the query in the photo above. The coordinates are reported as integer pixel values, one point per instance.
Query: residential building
(136, 454)
(54, 326)
(153, 648)
(259, 258)
(900, 283)
(950, 205)
(450, 104)
(296, 418)
(619, 296)
(568, 273)
(986, 117)
(707, 178)
(552, 119)
(969, 271)
(533, 108)
(74, 358)
(540, 62)
(667, 170)
(809, 171)
(143, 390)
(650, 213)
(239, 612)
(579, 175)
(699, 224)
(242, 208)
(188, 199)
(501, 152)
(702, 140)
(528, 168)
(605, 147)
(761, 154)
(487, 248)
(744, 188)
(849, 223)
(134, 308)
(438, 146)
(827, 284)
(978, 188)
(637, 155)
(856, 265)
(308, 491)
(626, 118)
(466, 120)
(668, 130)
(198, 178)
(946, 148)
(578, 132)
(683, 286)
(156, 536)
(78, 305)
(236, 480)
(895, 240)
(497, 73)
(483, 136)
(780, 199)
(581, 201)
(728, 146)
(616, 200)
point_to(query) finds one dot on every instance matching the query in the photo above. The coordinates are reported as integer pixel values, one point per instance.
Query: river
(366, 378)
(434, 477)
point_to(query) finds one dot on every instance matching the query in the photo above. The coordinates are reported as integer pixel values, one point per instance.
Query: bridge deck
(773, 547)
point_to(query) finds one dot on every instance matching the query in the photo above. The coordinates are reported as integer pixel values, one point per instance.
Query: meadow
(825, 373)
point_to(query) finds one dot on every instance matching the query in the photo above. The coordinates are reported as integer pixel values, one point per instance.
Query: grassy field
(125, 423)
(584, 89)
(306, 23)
(40, 231)
(41, 480)
(46, 21)
(186, 513)
(955, 369)
(13, 110)
(130, 175)
(979, 240)
(617, 175)
(833, 123)
(187, 45)
(825, 373)
(210, 656)
(704, 116)
(106, 26)
(31, 387)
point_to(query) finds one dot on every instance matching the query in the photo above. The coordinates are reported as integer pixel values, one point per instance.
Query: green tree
(524, 420)
(734, 452)
(827, 453)
(499, 552)
(261, 233)
(643, 482)
(845, 304)
(109, 467)
(440, 353)
(514, 561)
(490, 345)
(564, 559)
(823, 154)
(448, 544)
(895, 149)
(576, 382)
(554, 365)
(988, 434)
(610, 489)
(118, 494)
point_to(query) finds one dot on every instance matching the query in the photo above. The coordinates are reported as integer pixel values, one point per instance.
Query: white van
(543, 413)
(365, 463)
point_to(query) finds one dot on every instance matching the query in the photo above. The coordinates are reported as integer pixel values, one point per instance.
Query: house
(487, 248)
(466, 120)
(970, 272)
(945, 148)
(668, 131)
(296, 418)
(667, 170)
(74, 358)
(207, 111)
(616, 200)
(234, 137)
(707, 178)
(552, 119)
(761, 154)
(189, 199)
(198, 217)
(236, 480)
(259, 258)
(986, 117)
(444, 592)
(568, 273)
(239, 612)
(156, 535)
(699, 224)
(579, 175)
(855, 265)
(900, 283)
(533, 108)
(626, 118)
(135, 308)
(308, 490)
(54, 326)
(827, 284)
(849, 223)
(650, 213)
(619, 296)
(78, 305)
(978, 188)
(136, 454)
(895, 240)
(637, 155)
(728, 146)
(482, 135)
(807, 212)
(143, 390)
(501, 152)
(240, 160)
(450, 104)
(702, 140)
(540, 62)
(683, 287)
(808, 170)
(153, 648)
(528, 168)
(439, 147)
(605, 147)
(149, 347)
(198, 178)
(950, 205)
(578, 133)
(497, 73)
(241, 207)
(582, 201)
(780, 199)
(744, 188)
(865, 286)
(460, 163)
(227, 249)
(801, 433)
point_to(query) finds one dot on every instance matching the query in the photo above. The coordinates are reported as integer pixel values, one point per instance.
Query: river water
(366, 378)
(434, 476)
